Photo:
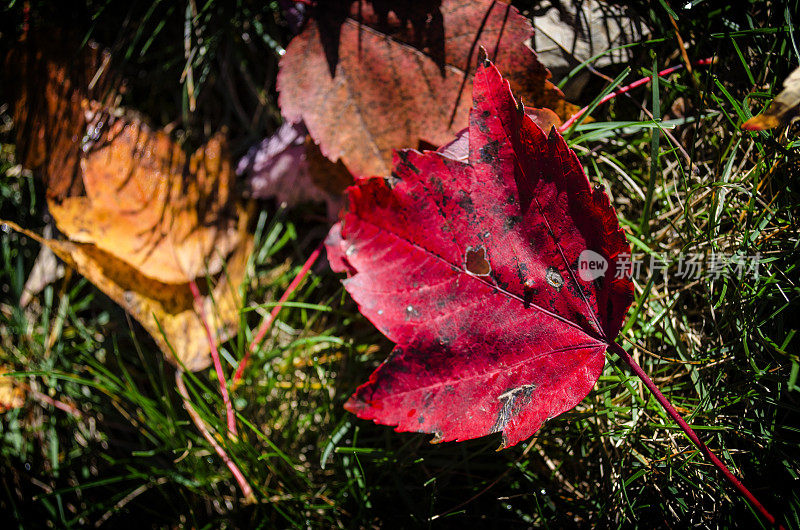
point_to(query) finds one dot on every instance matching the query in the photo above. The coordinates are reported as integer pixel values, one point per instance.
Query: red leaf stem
(264, 328)
(625, 356)
(223, 389)
(247, 491)
(639, 82)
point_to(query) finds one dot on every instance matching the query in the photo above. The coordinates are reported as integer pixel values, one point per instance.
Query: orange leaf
(168, 215)
(11, 395)
(143, 218)
(166, 311)
(782, 109)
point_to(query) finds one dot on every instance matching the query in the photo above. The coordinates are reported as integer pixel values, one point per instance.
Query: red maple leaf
(479, 269)
(472, 269)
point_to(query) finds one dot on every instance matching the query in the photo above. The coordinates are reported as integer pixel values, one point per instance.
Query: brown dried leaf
(355, 65)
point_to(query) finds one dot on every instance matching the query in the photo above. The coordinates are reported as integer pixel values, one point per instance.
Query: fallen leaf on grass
(165, 310)
(368, 77)
(783, 108)
(474, 269)
(152, 220)
(143, 218)
(170, 216)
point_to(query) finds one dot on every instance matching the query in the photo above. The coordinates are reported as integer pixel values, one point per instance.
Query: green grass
(722, 349)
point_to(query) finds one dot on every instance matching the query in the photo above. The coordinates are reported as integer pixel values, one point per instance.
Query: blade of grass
(655, 161)
(607, 94)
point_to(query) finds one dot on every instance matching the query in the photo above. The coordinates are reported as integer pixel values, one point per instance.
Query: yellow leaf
(170, 217)
(160, 306)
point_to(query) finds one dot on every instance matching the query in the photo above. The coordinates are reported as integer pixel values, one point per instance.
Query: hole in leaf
(476, 261)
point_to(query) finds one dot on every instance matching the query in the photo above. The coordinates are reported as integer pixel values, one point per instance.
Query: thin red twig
(264, 328)
(616, 348)
(665, 72)
(212, 343)
(247, 491)
(44, 398)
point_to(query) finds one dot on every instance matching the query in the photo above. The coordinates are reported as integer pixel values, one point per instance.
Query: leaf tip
(762, 122)
(483, 57)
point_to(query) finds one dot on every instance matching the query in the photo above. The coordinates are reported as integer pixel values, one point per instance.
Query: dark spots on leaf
(529, 290)
(527, 298)
(485, 114)
(403, 155)
(490, 151)
(554, 278)
(465, 202)
(522, 273)
(511, 199)
(498, 282)
(578, 289)
(436, 182)
(421, 419)
(511, 222)
(476, 261)
(582, 320)
(445, 339)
